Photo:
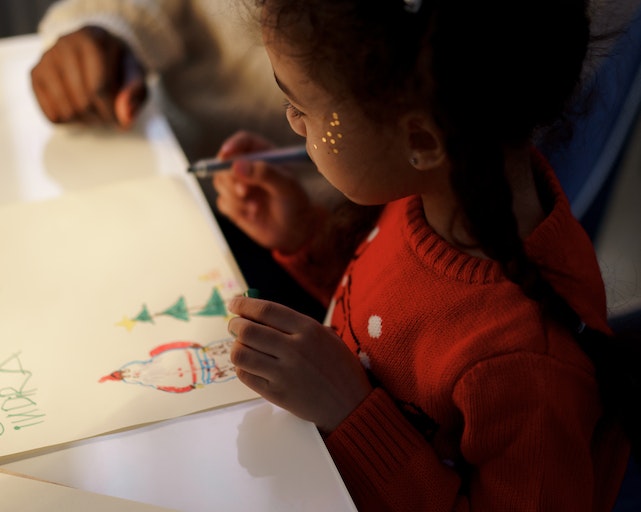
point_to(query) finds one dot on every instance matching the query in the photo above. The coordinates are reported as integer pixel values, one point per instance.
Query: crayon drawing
(179, 367)
(179, 310)
(70, 268)
(18, 405)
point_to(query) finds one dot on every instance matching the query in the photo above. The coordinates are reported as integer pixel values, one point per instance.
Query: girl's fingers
(223, 182)
(229, 198)
(259, 337)
(235, 204)
(242, 142)
(252, 361)
(253, 382)
(270, 314)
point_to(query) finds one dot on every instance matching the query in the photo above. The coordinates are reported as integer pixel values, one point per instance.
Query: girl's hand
(263, 200)
(295, 362)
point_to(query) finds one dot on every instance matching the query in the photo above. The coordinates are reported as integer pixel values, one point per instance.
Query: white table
(249, 456)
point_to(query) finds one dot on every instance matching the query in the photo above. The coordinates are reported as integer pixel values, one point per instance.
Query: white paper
(23, 494)
(112, 281)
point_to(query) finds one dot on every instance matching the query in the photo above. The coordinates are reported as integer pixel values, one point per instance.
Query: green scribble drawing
(178, 310)
(144, 315)
(215, 306)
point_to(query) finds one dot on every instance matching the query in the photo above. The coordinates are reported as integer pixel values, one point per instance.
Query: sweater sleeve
(317, 265)
(151, 28)
(297, 265)
(386, 464)
(528, 427)
(339, 228)
(532, 408)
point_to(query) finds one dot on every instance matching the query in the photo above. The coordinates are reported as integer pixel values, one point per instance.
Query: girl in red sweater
(467, 363)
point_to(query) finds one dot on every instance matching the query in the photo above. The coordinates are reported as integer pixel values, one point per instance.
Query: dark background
(21, 16)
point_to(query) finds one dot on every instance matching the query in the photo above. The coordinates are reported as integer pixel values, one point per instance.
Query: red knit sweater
(480, 402)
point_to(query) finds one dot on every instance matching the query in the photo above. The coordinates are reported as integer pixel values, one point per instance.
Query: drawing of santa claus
(179, 367)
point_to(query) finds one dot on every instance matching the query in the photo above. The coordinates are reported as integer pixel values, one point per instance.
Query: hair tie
(413, 6)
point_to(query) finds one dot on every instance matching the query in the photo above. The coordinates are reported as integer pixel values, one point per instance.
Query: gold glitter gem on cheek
(330, 138)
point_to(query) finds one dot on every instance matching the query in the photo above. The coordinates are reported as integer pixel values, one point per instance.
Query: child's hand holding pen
(271, 206)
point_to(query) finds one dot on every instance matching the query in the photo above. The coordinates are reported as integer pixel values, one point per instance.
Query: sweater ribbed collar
(452, 263)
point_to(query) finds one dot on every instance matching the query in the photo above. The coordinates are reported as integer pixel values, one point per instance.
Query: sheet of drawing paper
(113, 312)
(28, 495)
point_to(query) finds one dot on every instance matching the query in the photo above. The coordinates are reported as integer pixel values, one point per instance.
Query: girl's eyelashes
(292, 110)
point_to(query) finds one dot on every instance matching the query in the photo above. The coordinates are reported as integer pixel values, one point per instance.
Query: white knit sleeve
(151, 28)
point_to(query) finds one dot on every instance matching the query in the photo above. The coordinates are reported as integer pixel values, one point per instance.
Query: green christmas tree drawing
(179, 310)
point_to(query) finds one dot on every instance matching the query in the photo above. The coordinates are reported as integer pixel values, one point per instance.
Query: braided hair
(494, 73)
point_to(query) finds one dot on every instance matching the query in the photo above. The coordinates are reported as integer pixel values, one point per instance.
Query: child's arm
(312, 239)
(319, 265)
(152, 29)
(526, 440)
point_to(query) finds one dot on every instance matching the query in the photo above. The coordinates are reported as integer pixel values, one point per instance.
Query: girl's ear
(425, 142)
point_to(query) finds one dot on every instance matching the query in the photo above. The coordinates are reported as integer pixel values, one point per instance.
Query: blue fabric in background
(586, 167)
(629, 499)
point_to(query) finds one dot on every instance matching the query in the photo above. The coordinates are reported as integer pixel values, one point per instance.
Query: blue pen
(205, 168)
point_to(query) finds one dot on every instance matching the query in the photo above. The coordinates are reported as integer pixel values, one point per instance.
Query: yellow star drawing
(127, 323)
